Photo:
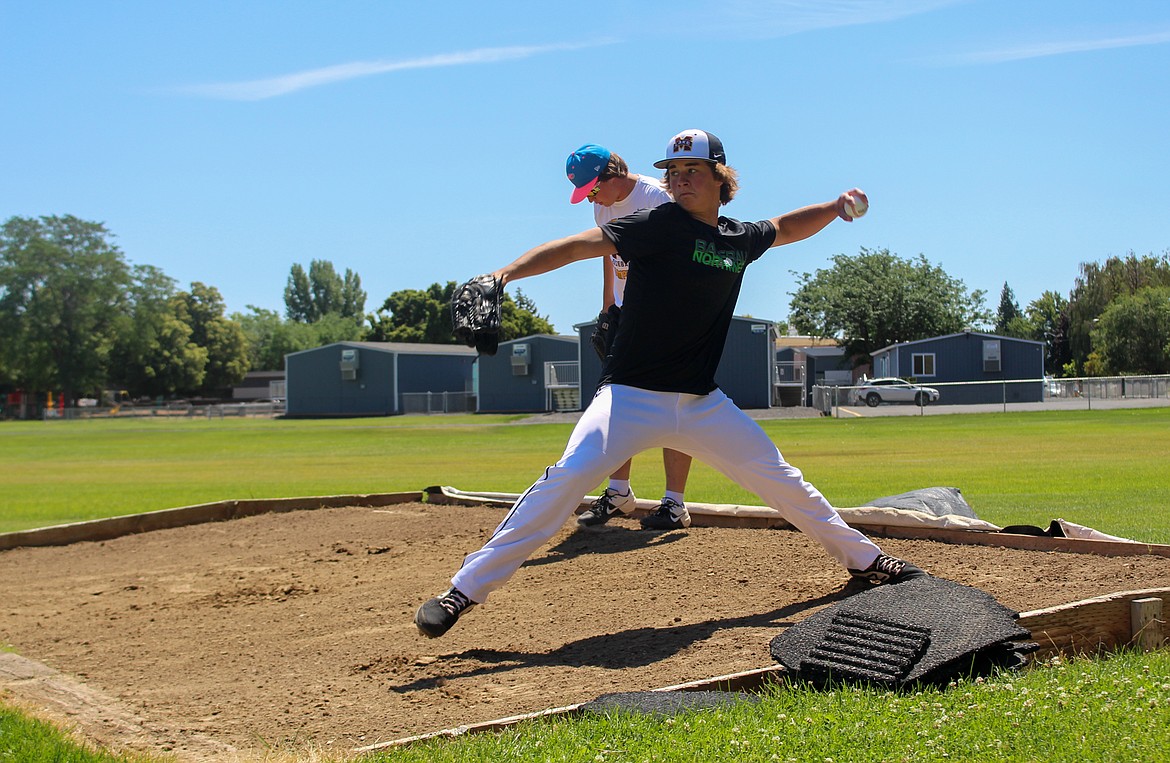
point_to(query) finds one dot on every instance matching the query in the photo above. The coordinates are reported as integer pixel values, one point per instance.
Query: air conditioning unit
(991, 362)
(349, 364)
(520, 360)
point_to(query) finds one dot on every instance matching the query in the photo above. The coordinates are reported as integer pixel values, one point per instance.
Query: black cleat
(605, 508)
(436, 616)
(887, 569)
(670, 515)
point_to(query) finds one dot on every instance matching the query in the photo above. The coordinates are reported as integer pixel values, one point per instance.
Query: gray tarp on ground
(939, 501)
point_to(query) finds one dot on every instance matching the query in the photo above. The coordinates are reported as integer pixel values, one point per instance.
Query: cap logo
(684, 143)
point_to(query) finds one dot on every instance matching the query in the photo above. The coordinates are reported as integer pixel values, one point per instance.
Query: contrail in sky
(260, 89)
(1056, 48)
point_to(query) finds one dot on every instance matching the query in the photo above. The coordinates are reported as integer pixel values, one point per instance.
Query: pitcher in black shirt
(658, 386)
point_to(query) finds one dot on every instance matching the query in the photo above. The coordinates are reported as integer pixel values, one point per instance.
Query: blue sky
(417, 143)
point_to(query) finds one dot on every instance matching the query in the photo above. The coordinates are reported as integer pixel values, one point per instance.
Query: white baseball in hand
(855, 206)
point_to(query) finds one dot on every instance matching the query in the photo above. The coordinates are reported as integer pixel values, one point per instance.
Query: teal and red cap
(584, 167)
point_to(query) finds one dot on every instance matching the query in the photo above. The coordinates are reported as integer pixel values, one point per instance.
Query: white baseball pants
(623, 421)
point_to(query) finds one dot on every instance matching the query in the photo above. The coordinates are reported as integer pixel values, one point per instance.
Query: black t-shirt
(681, 290)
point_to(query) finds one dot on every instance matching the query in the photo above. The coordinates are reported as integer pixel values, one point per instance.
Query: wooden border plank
(1091, 626)
(763, 517)
(130, 524)
(1010, 540)
(745, 681)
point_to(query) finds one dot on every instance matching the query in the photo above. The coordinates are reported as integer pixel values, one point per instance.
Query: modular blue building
(530, 375)
(969, 367)
(372, 378)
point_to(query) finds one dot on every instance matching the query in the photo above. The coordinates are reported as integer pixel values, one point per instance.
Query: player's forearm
(556, 254)
(799, 224)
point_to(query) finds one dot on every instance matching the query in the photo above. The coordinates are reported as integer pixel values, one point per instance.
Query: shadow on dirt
(609, 540)
(613, 651)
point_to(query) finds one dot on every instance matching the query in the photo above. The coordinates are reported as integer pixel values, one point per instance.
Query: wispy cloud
(739, 18)
(1053, 48)
(778, 18)
(260, 89)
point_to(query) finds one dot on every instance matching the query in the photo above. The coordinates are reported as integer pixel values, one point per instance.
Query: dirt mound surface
(295, 630)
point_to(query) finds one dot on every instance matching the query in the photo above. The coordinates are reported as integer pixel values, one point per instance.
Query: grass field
(1085, 710)
(1115, 709)
(1106, 469)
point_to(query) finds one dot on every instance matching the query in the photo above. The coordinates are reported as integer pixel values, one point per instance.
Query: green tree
(337, 328)
(1008, 315)
(324, 288)
(63, 286)
(224, 340)
(876, 299)
(269, 338)
(308, 297)
(411, 315)
(1019, 326)
(298, 299)
(1101, 283)
(1132, 335)
(520, 317)
(353, 297)
(1048, 316)
(153, 353)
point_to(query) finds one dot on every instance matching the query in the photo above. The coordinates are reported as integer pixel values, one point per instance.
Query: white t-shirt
(648, 193)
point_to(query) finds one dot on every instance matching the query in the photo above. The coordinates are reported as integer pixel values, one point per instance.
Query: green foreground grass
(1106, 469)
(1100, 710)
(28, 740)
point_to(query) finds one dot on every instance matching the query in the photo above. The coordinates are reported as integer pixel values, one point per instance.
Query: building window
(923, 363)
(991, 355)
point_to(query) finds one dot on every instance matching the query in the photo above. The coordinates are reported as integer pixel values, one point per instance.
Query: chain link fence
(1046, 392)
(438, 402)
(176, 410)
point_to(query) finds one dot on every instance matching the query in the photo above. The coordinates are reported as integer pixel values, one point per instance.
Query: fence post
(1145, 617)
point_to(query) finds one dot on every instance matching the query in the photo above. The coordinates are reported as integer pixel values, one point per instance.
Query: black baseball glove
(475, 313)
(605, 331)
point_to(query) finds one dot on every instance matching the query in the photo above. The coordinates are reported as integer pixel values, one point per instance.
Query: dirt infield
(295, 630)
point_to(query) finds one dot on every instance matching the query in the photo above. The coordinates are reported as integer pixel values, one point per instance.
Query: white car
(874, 392)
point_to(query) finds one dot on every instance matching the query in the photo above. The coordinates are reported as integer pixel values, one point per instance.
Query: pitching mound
(296, 629)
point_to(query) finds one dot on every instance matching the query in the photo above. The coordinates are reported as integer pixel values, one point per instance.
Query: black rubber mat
(879, 649)
(927, 630)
